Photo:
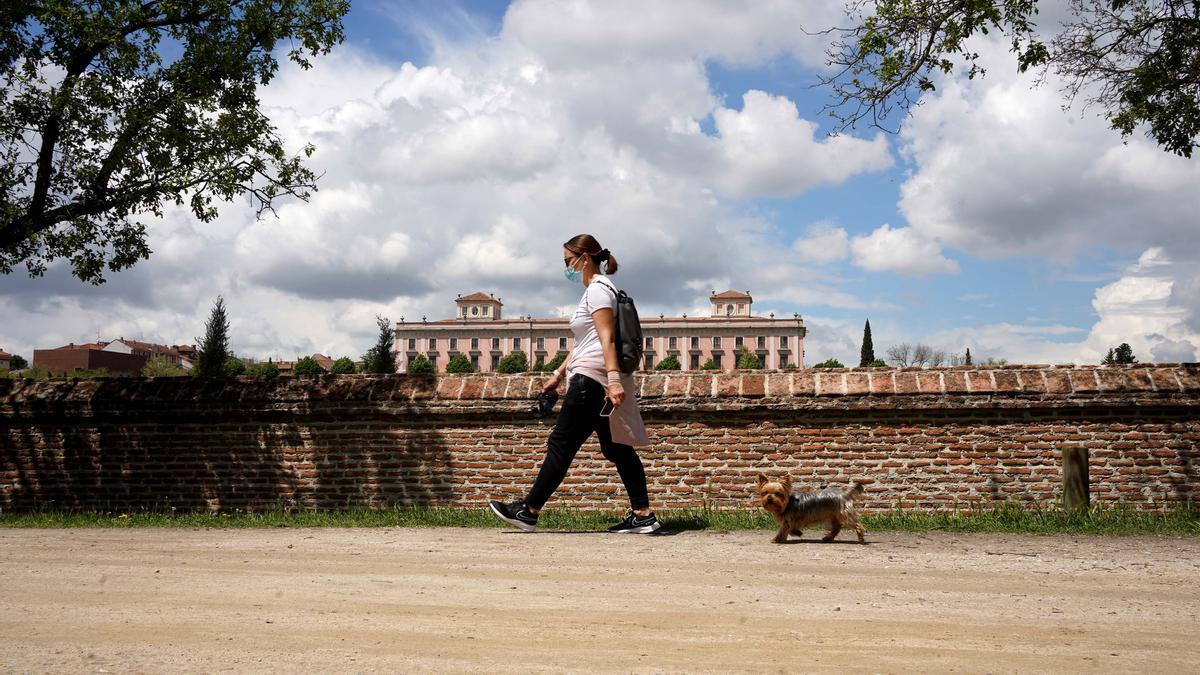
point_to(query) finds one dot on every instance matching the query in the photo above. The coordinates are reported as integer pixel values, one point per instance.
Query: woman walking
(593, 378)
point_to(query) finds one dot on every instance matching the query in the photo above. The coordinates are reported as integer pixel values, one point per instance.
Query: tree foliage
(234, 366)
(342, 366)
(1138, 60)
(420, 365)
(382, 357)
(18, 362)
(115, 109)
(671, 362)
(307, 366)
(162, 366)
(867, 353)
(748, 360)
(555, 362)
(829, 363)
(459, 363)
(213, 350)
(710, 365)
(515, 362)
(268, 369)
(1121, 354)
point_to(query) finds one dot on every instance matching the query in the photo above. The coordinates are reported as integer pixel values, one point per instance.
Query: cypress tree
(384, 357)
(967, 361)
(867, 356)
(214, 348)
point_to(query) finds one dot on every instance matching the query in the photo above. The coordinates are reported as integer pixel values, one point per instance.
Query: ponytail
(586, 243)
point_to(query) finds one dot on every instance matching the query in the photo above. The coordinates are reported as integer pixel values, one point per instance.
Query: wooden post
(1076, 494)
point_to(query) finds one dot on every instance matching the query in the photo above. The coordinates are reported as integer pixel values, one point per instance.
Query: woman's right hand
(553, 382)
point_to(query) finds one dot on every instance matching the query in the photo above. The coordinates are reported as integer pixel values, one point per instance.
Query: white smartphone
(606, 409)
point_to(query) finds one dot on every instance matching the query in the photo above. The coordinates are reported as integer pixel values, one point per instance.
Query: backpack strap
(606, 282)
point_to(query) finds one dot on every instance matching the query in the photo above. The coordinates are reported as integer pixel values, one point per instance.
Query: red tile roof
(85, 345)
(5, 355)
(478, 296)
(730, 295)
(152, 347)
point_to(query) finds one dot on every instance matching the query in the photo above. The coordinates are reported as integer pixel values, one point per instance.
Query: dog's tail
(855, 491)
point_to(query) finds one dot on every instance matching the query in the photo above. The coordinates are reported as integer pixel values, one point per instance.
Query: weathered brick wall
(934, 438)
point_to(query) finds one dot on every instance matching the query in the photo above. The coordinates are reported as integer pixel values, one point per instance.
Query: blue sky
(1018, 289)
(462, 141)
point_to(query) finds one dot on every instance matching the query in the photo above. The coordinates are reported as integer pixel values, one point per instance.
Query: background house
(480, 332)
(120, 356)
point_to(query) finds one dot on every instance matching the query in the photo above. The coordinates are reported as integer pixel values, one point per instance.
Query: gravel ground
(356, 600)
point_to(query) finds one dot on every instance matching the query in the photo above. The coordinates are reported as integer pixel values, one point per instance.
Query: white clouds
(900, 250)
(467, 174)
(737, 32)
(1142, 309)
(823, 244)
(1002, 169)
(769, 150)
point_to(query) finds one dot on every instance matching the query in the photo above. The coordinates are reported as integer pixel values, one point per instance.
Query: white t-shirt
(588, 356)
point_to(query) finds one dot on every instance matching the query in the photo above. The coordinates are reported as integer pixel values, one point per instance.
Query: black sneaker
(635, 524)
(516, 514)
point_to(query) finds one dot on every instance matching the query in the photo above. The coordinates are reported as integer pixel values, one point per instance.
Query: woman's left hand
(616, 394)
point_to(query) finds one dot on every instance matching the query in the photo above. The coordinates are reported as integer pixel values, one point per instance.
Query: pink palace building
(480, 331)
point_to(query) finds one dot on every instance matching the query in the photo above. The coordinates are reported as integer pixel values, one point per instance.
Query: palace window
(649, 343)
(453, 344)
(762, 342)
(474, 345)
(672, 342)
(562, 343)
(716, 357)
(695, 343)
(475, 311)
(412, 344)
(496, 344)
(541, 344)
(783, 340)
(485, 310)
(695, 362)
(717, 342)
(516, 344)
(738, 342)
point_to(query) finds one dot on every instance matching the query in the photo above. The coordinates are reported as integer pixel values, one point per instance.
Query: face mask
(573, 275)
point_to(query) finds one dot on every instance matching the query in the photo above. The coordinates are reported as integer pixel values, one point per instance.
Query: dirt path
(450, 599)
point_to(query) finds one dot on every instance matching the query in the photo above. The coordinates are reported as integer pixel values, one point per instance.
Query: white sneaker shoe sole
(645, 529)
(520, 524)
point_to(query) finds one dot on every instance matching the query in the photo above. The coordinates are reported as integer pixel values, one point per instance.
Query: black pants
(578, 418)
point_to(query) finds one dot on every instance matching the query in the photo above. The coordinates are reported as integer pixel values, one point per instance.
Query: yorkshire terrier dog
(796, 510)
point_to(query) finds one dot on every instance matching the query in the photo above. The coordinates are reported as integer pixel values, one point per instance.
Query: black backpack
(629, 332)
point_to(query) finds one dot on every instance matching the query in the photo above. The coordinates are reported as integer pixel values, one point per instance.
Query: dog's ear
(787, 483)
(762, 479)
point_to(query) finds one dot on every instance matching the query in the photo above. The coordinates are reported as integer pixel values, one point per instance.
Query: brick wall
(933, 438)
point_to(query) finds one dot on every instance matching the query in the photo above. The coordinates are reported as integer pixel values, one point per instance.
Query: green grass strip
(1004, 518)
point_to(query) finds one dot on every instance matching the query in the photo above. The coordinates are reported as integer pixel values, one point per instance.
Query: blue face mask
(573, 275)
